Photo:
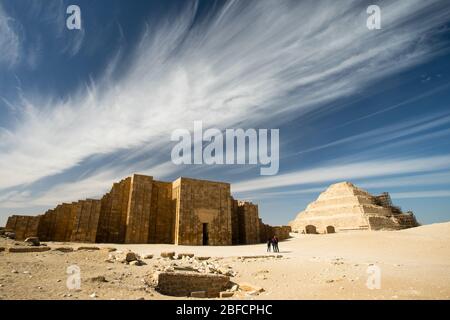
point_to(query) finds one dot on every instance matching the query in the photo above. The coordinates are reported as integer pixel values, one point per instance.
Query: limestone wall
(235, 238)
(23, 226)
(162, 214)
(248, 223)
(113, 213)
(267, 232)
(63, 224)
(138, 213)
(202, 203)
(139, 209)
(86, 215)
(47, 226)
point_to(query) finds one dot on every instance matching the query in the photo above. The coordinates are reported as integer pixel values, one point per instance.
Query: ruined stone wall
(139, 209)
(394, 222)
(47, 226)
(162, 214)
(248, 223)
(11, 222)
(282, 232)
(85, 223)
(113, 213)
(139, 204)
(182, 284)
(235, 239)
(200, 202)
(266, 231)
(63, 222)
(23, 226)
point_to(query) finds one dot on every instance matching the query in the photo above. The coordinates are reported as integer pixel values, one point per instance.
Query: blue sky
(80, 109)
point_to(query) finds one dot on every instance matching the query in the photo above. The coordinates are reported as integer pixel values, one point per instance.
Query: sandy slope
(414, 264)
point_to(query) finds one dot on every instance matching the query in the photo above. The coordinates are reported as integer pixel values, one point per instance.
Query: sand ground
(413, 264)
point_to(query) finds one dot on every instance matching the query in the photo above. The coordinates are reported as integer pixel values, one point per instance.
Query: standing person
(269, 244)
(275, 244)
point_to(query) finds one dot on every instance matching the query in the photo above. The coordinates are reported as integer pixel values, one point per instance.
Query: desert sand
(414, 264)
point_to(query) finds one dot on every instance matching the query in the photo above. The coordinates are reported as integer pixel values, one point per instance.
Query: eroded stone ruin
(345, 207)
(139, 209)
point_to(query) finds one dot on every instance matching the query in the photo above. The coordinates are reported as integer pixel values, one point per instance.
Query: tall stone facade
(139, 209)
(345, 207)
(203, 212)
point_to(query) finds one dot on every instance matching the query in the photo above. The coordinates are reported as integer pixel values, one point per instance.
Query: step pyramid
(345, 207)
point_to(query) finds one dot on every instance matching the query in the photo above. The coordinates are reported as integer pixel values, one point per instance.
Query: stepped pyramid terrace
(345, 207)
(139, 209)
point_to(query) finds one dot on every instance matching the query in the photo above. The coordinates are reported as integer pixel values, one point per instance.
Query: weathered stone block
(27, 249)
(198, 294)
(183, 283)
(226, 294)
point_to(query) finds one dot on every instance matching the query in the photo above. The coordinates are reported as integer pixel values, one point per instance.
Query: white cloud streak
(9, 40)
(244, 63)
(422, 194)
(337, 172)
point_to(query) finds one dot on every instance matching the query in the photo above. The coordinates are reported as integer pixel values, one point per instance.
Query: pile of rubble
(170, 262)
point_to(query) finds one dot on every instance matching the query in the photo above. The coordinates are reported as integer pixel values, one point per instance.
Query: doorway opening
(205, 234)
(310, 229)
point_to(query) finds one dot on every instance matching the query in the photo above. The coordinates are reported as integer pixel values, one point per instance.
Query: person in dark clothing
(275, 244)
(269, 244)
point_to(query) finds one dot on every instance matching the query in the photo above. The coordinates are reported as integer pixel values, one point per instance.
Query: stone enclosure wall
(203, 212)
(182, 284)
(139, 209)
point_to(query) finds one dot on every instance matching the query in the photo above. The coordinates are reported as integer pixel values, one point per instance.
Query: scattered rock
(250, 288)
(253, 293)
(185, 268)
(2, 249)
(63, 249)
(169, 269)
(181, 255)
(226, 271)
(10, 235)
(124, 257)
(93, 295)
(148, 256)
(234, 288)
(14, 271)
(98, 279)
(26, 272)
(131, 256)
(202, 258)
(137, 263)
(109, 249)
(28, 249)
(169, 255)
(33, 241)
(87, 248)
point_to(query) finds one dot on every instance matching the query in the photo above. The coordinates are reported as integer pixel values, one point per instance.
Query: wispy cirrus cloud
(342, 171)
(9, 40)
(257, 61)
